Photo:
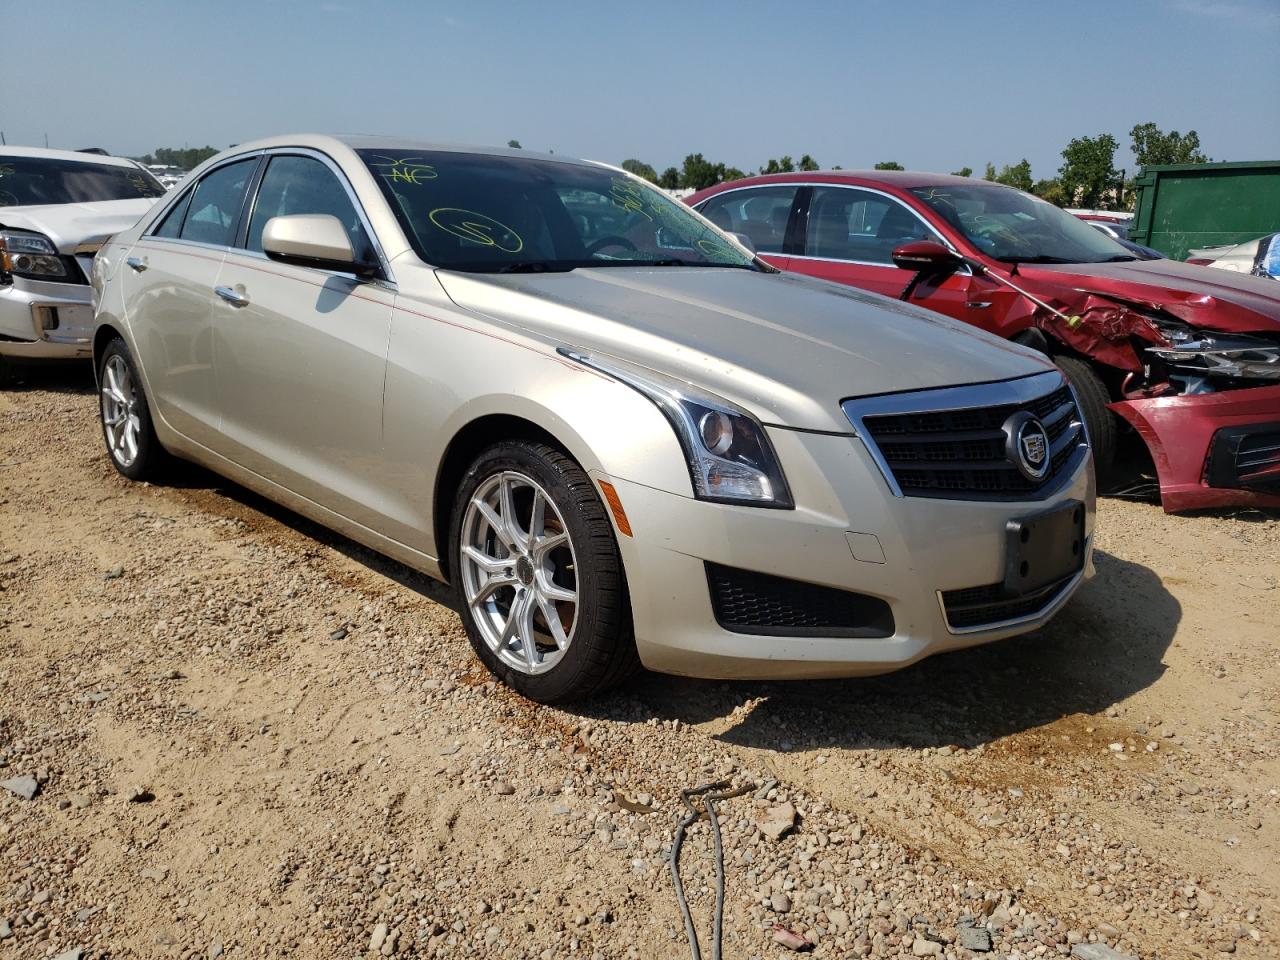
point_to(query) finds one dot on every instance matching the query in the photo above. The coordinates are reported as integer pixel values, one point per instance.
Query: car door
(300, 352)
(762, 214)
(849, 235)
(168, 286)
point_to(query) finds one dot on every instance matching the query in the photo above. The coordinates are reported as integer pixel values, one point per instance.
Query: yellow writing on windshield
(477, 228)
(714, 248)
(629, 195)
(408, 170)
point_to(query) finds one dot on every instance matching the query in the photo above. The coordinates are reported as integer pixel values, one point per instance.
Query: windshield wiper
(1119, 258)
(531, 266)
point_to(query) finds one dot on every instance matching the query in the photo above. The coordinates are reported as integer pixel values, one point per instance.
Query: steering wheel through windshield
(612, 240)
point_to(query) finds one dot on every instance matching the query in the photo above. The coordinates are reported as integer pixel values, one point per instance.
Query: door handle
(137, 263)
(231, 296)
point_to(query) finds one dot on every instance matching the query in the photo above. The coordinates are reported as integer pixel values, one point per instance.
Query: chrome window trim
(1048, 610)
(963, 271)
(149, 232)
(387, 279)
(338, 172)
(1000, 393)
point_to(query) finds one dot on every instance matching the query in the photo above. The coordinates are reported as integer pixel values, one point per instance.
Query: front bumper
(912, 549)
(1191, 442)
(46, 320)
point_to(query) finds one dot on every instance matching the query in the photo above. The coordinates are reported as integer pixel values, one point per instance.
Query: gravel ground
(248, 737)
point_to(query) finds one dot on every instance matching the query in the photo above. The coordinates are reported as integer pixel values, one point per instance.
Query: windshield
(32, 181)
(478, 212)
(1010, 225)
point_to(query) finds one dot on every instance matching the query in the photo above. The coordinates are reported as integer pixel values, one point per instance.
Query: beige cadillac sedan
(620, 436)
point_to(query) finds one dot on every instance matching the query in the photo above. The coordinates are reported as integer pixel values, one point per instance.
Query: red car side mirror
(926, 256)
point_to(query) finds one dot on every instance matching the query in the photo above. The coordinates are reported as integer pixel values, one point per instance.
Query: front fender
(447, 371)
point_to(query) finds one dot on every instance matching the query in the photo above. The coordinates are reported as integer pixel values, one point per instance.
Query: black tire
(1100, 422)
(6, 373)
(151, 463)
(602, 650)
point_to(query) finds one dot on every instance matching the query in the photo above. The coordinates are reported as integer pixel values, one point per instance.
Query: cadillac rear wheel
(538, 576)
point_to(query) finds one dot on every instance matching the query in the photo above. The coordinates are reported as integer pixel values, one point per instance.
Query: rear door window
(846, 223)
(171, 225)
(215, 206)
(759, 213)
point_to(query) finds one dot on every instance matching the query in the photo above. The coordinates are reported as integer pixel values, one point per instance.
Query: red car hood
(1202, 296)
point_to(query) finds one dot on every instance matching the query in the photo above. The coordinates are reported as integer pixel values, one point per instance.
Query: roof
(904, 179)
(75, 155)
(320, 141)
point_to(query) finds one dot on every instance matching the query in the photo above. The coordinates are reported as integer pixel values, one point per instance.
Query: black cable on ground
(710, 792)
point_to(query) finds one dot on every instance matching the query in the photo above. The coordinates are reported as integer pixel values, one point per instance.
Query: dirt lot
(256, 739)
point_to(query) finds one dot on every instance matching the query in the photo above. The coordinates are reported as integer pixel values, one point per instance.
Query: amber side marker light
(615, 504)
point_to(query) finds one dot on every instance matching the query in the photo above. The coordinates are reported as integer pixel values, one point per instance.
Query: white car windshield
(1016, 227)
(499, 213)
(34, 181)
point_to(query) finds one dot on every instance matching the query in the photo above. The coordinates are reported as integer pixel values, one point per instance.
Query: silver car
(620, 436)
(56, 209)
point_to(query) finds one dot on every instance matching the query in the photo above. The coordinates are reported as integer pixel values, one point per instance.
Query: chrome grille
(950, 443)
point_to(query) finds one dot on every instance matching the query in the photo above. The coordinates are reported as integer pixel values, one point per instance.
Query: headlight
(30, 255)
(1209, 353)
(729, 455)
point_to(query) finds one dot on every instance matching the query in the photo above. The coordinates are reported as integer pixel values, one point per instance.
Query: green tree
(1018, 175)
(807, 163)
(670, 179)
(514, 145)
(963, 172)
(785, 165)
(1050, 190)
(889, 165)
(184, 158)
(699, 172)
(990, 173)
(1088, 172)
(640, 169)
(729, 173)
(1151, 146)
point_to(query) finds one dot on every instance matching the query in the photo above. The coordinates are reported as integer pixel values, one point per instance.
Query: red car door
(849, 235)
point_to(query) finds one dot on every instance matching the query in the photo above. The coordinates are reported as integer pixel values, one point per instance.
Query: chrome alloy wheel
(120, 410)
(519, 572)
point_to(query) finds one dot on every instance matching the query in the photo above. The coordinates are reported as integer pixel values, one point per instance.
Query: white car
(56, 209)
(1259, 257)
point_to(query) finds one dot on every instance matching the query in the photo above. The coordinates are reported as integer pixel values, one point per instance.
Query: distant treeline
(184, 158)
(1087, 178)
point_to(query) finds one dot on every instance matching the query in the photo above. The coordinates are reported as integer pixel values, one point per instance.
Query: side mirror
(313, 240)
(743, 239)
(926, 257)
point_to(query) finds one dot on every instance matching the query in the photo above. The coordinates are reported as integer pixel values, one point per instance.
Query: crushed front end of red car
(1212, 449)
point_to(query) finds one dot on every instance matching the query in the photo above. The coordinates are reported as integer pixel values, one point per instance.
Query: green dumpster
(1184, 206)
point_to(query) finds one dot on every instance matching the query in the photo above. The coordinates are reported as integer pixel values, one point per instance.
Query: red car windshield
(1015, 227)
(34, 181)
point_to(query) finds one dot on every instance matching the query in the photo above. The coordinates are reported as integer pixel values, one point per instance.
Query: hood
(1202, 296)
(785, 347)
(69, 224)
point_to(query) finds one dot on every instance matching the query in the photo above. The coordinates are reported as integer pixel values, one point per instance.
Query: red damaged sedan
(1185, 356)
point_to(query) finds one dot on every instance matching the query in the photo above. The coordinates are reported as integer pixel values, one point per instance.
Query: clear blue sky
(933, 84)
